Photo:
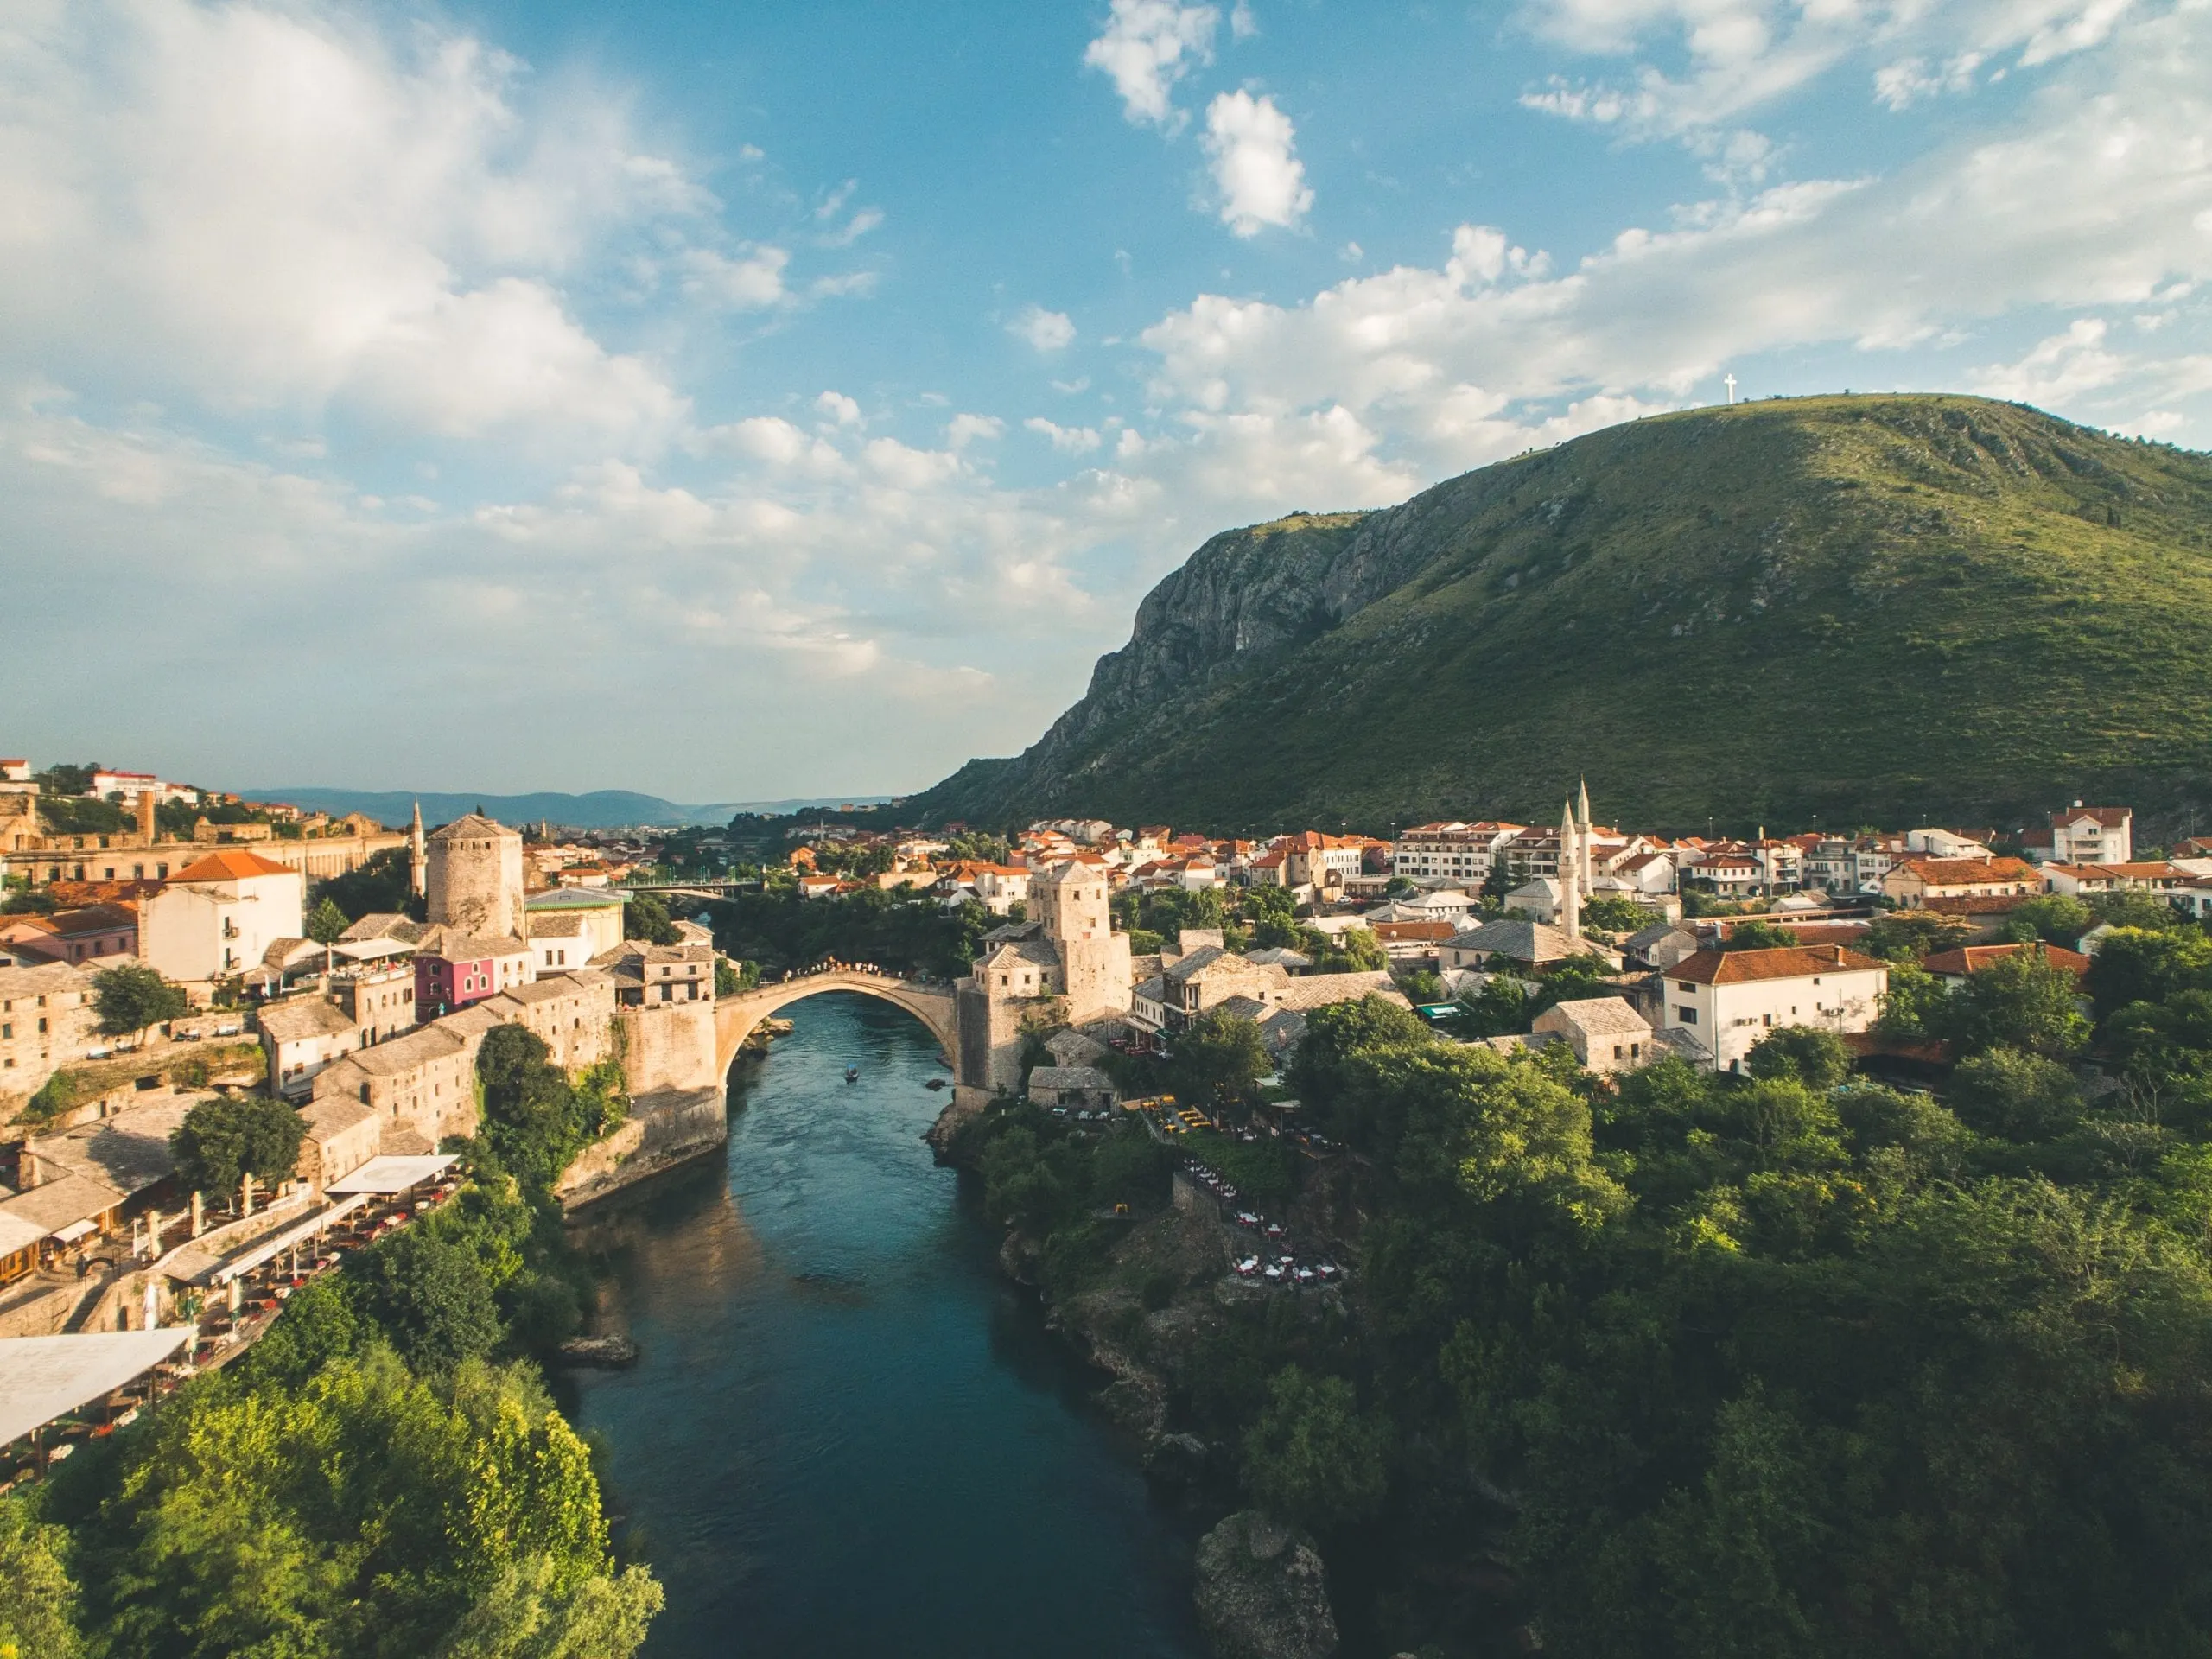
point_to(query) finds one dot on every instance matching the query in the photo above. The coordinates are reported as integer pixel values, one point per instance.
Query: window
(1687, 986)
(1687, 1015)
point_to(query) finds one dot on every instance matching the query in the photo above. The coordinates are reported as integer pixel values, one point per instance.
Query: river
(847, 1434)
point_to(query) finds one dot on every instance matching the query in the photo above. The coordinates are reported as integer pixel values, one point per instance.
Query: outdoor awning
(73, 1231)
(369, 950)
(277, 1244)
(385, 1176)
(45, 1377)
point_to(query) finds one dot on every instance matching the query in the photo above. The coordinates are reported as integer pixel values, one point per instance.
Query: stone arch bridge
(735, 1017)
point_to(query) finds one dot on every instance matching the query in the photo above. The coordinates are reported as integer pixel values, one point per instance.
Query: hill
(1818, 611)
(603, 809)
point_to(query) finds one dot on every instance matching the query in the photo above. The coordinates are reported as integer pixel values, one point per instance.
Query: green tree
(432, 1295)
(38, 1601)
(1758, 935)
(1313, 1457)
(1809, 1054)
(383, 886)
(2019, 1001)
(1906, 935)
(1222, 1057)
(2019, 1096)
(735, 978)
(2140, 965)
(1611, 913)
(65, 780)
(224, 1141)
(644, 917)
(534, 1119)
(326, 923)
(132, 997)
(2055, 918)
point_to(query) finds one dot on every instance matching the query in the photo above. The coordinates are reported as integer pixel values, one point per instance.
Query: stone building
(47, 1021)
(474, 877)
(1066, 967)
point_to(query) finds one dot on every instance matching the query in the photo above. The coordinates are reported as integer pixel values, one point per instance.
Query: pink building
(445, 983)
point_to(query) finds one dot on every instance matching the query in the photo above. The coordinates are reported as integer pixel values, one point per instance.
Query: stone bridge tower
(1079, 924)
(475, 877)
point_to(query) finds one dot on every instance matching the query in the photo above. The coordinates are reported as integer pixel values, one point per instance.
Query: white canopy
(369, 950)
(387, 1175)
(45, 1377)
(277, 1244)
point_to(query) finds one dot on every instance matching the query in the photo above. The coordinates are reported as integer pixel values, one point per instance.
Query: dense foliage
(1788, 1364)
(779, 931)
(131, 996)
(382, 1474)
(224, 1139)
(382, 885)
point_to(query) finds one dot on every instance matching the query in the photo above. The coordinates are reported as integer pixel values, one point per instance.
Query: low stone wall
(665, 1128)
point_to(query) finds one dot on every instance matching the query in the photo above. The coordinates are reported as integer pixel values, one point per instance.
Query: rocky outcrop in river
(1261, 1593)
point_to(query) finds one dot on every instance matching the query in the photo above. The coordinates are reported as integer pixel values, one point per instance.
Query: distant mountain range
(1813, 612)
(603, 809)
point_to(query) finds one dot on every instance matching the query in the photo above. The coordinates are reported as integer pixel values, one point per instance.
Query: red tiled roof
(1743, 967)
(230, 865)
(1972, 958)
(1964, 872)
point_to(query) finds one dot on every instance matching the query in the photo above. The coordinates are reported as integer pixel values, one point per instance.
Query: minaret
(417, 859)
(1570, 862)
(1588, 874)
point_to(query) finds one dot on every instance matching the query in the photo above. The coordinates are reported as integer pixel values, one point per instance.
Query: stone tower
(475, 877)
(147, 834)
(416, 859)
(1072, 902)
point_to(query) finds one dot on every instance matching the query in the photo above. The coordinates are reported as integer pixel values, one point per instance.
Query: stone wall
(668, 1045)
(665, 1128)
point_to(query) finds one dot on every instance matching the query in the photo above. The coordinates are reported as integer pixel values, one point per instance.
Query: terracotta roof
(2150, 870)
(1972, 958)
(1963, 872)
(230, 864)
(1414, 932)
(1980, 904)
(2110, 817)
(473, 826)
(1785, 962)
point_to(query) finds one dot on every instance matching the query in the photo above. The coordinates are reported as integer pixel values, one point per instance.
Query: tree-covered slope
(1831, 610)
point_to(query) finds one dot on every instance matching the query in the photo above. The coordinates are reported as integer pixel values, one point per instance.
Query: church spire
(1570, 865)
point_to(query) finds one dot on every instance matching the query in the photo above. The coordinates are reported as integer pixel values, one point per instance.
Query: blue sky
(745, 401)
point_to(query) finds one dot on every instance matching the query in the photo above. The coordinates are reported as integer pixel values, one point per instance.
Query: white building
(1452, 851)
(1725, 1001)
(220, 915)
(2086, 835)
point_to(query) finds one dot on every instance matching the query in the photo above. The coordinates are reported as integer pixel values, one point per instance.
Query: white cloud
(2098, 195)
(1252, 148)
(965, 430)
(276, 208)
(841, 410)
(1706, 63)
(1068, 440)
(1149, 46)
(1046, 332)
(753, 281)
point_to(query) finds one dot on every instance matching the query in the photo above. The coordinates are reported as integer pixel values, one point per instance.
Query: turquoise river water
(847, 1434)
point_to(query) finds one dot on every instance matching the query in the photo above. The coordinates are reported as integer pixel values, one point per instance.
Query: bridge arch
(737, 1017)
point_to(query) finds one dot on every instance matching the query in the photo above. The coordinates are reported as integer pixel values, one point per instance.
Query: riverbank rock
(1261, 1593)
(607, 1353)
(941, 1134)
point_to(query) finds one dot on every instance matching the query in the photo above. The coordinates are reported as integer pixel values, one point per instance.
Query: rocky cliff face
(1262, 1593)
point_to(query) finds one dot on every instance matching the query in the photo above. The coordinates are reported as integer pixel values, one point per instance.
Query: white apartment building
(220, 915)
(2086, 835)
(1452, 852)
(1727, 999)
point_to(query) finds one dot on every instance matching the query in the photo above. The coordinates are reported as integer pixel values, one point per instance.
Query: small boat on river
(852, 1074)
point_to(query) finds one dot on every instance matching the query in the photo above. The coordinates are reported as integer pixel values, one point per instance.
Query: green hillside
(1825, 611)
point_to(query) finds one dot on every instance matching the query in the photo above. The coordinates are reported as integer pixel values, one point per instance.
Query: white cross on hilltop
(1730, 384)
